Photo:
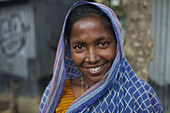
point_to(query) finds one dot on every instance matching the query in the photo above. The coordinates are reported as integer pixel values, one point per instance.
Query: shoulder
(145, 98)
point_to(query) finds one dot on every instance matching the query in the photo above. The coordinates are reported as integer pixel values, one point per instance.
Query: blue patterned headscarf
(120, 90)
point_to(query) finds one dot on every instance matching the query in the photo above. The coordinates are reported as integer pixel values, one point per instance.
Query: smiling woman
(90, 71)
(93, 48)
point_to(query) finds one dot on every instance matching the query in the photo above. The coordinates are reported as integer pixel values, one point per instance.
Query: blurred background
(29, 33)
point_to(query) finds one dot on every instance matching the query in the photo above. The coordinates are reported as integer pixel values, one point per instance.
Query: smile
(95, 69)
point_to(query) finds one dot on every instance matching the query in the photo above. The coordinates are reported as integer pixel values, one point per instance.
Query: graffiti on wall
(12, 35)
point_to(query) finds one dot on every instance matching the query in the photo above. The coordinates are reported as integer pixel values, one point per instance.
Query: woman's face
(93, 48)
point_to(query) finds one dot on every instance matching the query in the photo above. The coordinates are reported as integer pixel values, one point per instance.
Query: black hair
(86, 10)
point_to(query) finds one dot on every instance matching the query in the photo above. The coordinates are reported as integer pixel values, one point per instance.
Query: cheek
(108, 54)
(77, 58)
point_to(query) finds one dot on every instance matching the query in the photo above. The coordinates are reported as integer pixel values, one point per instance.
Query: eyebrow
(101, 38)
(97, 40)
(78, 42)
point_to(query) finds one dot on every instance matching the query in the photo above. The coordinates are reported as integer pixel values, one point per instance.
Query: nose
(92, 55)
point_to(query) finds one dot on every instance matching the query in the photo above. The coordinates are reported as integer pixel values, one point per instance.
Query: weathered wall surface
(16, 38)
(159, 68)
(138, 41)
(29, 32)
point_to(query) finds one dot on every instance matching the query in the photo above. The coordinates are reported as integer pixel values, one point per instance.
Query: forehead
(94, 22)
(87, 22)
(102, 20)
(91, 17)
(88, 29)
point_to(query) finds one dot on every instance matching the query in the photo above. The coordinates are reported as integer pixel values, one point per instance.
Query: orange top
(67, 98)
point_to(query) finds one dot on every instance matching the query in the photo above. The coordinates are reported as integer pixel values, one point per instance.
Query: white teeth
(95, 69)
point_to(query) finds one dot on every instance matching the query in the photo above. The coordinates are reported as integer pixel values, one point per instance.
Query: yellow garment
(67, 98)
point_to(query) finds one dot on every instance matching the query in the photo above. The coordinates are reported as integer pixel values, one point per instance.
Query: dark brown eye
(102, 43)
(78, 47)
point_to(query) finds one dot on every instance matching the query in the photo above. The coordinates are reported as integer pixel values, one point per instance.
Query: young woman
(90, 71)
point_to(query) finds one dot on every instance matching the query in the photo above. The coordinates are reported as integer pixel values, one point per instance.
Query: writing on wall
(12, 35)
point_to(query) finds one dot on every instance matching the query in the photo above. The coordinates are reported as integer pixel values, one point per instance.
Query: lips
(95, 70)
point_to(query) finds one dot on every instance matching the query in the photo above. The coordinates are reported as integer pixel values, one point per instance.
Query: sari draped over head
(120, 90)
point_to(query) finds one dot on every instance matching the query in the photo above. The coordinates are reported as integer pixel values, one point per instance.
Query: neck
(88, 81)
